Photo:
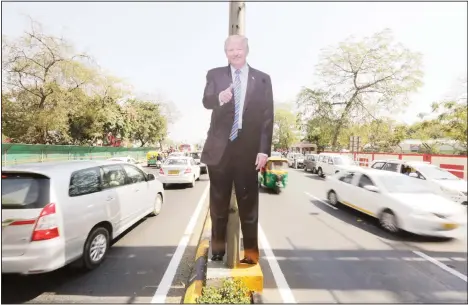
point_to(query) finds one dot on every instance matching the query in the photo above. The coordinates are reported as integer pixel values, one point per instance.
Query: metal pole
(236, 26)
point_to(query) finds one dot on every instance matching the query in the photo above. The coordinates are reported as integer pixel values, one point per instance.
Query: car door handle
(109, 198)
(137, 190)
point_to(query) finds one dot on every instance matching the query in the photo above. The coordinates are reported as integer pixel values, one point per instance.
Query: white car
(179, 170)
(440, 180)
(398, 201)
(197, 157)
(295, 160)
(57, 212)
(330, 164)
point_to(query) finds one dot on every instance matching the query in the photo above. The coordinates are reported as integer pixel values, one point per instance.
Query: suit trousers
(235, 167)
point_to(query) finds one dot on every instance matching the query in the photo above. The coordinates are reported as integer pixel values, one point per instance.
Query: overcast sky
(166, 48)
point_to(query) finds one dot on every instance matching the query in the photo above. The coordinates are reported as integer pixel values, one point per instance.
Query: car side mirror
(151, 177)
(371, 188)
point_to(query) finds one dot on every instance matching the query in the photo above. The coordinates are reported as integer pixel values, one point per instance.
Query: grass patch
(230, 292)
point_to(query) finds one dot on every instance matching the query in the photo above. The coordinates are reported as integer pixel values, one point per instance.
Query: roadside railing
(29, 153)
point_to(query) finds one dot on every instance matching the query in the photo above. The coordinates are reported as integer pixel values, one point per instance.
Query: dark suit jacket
(257, 124)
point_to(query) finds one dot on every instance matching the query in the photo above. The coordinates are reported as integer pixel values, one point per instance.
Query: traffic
(71, 211)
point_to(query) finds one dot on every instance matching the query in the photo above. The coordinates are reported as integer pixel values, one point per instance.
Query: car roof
(55, 167)
(399, 161)
(372, 172)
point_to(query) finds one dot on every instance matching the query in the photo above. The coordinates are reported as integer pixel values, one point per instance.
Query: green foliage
(285, 128)
(231, 292)
(358, 80)
(53, 94)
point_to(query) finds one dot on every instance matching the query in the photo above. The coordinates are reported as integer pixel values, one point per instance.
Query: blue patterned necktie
(237, 98)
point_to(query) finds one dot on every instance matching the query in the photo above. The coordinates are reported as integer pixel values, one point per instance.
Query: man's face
(236, 53)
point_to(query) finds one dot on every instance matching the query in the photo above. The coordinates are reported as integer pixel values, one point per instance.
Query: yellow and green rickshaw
(274, 175)
(152, 158)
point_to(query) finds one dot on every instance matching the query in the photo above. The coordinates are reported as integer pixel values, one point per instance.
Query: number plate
(173, 172)
(449, 226)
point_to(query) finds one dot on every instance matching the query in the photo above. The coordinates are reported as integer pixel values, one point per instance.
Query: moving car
(55, 213)
(440, 180)
(397, 201)
(179, 170)
(197, 156)
(127, 160)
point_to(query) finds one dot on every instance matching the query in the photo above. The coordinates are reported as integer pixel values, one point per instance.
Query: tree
(52, 94)
(41, 75)
(149, 126)
(360, 80)
(452, 119)
(284, 128)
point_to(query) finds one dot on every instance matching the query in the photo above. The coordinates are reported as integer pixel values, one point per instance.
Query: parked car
(440, 180)
(330, 164)
(310, 163)
(295, 160)
(398, 202)
(197, 156)
(55, 213)
(179, 170)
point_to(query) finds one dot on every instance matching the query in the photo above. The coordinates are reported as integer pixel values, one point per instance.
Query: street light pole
(236, 27)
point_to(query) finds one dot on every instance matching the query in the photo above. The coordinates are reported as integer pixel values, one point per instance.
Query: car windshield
(404, 184)
(343, 161)
(278, 165)
(195, 155)
(436, 173)
(176, 162)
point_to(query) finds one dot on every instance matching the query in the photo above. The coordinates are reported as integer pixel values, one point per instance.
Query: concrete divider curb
(212, 273)
(198, 274)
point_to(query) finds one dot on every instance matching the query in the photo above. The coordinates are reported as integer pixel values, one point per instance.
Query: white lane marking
(163, 288)
(281, 283)
(441, 265)
(318, 199)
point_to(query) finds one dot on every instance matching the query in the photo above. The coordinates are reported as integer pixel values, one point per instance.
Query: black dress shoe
(248, 261)
(217, 258)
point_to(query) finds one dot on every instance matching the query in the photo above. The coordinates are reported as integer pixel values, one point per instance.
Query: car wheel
(95, 248)
(158, 202)
(319, 172)
(388, 221)
(332, 198)
(305, 168)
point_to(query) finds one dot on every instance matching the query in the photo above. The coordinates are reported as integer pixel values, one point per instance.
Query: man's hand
(226, 95)
(261, 160)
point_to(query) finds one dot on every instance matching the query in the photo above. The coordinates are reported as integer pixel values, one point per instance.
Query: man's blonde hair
(242, 38)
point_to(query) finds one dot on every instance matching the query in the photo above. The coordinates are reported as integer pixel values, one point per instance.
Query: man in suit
(238, 143)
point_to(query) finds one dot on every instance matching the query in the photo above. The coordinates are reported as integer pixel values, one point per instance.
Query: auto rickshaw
(274, 175)
(152, 158)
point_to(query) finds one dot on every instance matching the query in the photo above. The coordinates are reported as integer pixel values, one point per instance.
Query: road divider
(206, 273)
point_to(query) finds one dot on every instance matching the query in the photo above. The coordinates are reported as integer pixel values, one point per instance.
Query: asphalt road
(323, 255)
(342, 256)
(134, 267)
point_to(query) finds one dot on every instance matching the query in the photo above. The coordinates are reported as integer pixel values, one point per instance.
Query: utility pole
(236, 26)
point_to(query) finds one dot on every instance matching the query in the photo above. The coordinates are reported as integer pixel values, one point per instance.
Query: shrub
(231, 292)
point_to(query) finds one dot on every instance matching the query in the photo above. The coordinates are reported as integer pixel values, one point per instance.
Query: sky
(166, 48)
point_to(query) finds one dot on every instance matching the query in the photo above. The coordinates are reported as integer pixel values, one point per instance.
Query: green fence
(27, 153)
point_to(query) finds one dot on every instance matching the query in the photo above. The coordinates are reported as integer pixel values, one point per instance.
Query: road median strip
(206, 273)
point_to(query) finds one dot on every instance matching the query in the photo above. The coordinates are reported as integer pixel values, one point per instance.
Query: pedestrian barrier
(28, 153)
